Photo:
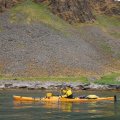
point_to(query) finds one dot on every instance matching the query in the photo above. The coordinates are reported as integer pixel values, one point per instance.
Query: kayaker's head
(68, 87)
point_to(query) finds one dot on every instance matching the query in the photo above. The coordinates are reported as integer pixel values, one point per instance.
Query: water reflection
(9, 109)
(65, 107)
(22, 105)
(95, 109)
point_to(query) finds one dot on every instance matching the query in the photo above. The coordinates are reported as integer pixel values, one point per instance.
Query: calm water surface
(11, 110)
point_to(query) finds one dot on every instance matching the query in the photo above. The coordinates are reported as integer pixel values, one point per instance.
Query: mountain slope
(34, 42)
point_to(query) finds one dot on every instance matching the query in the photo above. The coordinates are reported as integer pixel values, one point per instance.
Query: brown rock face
(39, 1)
(4, 4)
(73, 11)
(108, 7)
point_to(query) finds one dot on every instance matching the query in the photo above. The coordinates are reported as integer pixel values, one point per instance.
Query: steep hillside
(35, 42)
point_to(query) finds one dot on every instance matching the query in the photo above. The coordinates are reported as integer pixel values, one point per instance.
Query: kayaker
(67, 92)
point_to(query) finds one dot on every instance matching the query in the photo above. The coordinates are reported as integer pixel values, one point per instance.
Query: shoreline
(53, 85)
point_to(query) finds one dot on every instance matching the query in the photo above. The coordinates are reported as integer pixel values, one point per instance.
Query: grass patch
(28, 12)
(106, 48)
(0, 29)
(109, 79)
(108, 21)
(43, 79)
(115, 34)
(109, 24)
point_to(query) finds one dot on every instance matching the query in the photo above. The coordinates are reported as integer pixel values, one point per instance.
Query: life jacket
(64, 91)
(68, 94)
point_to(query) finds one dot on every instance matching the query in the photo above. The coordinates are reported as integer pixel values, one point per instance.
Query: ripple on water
(11, 110)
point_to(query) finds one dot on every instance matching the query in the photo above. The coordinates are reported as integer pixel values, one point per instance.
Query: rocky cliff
(82, 10)
(108, 7)
(5, 4)
(73, 11)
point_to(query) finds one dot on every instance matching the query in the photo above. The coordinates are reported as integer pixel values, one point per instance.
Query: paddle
(115, 98)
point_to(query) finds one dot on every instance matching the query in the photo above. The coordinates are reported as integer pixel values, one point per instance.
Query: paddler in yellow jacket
(67, 92)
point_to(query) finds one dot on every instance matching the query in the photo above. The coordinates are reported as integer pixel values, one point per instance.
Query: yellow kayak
(57, 99)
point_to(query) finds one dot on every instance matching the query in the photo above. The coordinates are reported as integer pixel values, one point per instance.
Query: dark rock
(118, 87)
(2, 86)
(9, 85)
(5, 4)
(42, 88)
(32, 85)
(108, 7)
(112, 86)
(73, 11)
(79, 87)
(23, 87)
(58, 86)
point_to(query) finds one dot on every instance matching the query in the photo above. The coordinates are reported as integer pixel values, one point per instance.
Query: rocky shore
(53, 85)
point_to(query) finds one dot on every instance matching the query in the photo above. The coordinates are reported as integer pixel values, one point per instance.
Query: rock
(5, 4)
(118, 79)
(113, 87)
(2, 86)
(109, 7)
(8, 85)
(93, 86)
(73, 11)
(31, 85)
(79, 87)
(118, 87)
(86, 87)
(52, 87)
(43, 88)
(99, 87)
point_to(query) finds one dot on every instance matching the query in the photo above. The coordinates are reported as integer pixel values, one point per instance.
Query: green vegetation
(0, 28)
(109, 79)
(109, 24)
(28, 12)
(105, 80)
(106, 48)
(108, 21)
(115, 34)
(57, 79)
